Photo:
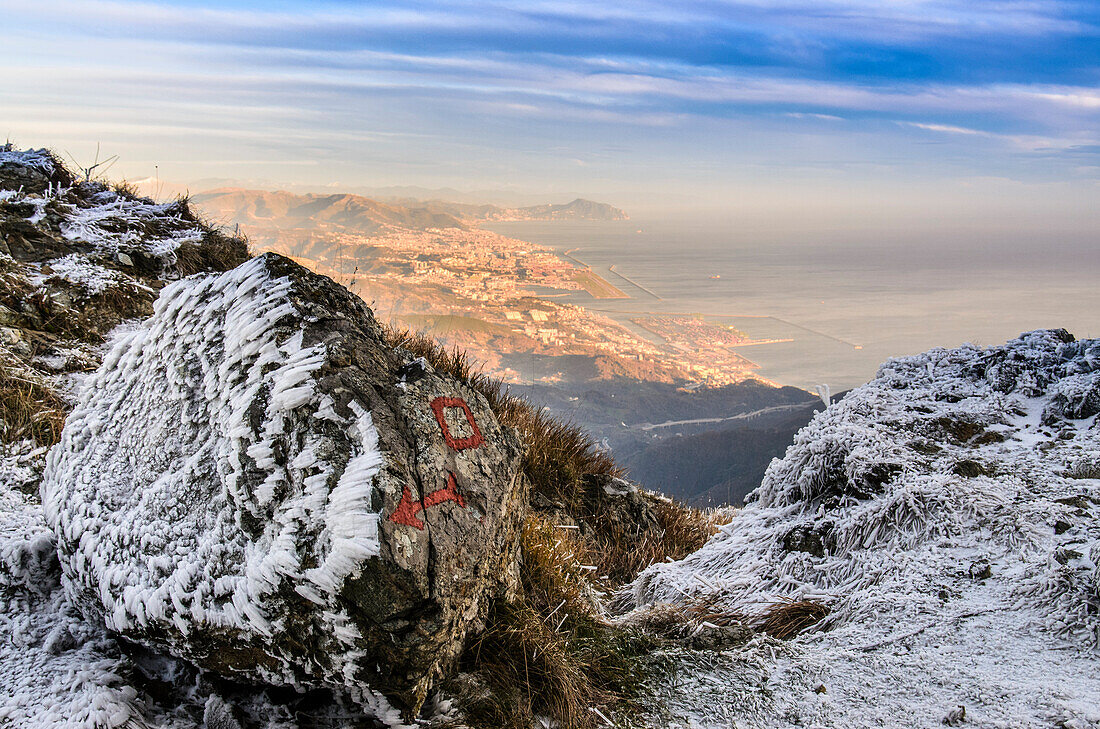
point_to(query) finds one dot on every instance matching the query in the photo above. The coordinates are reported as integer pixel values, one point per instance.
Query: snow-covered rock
(947, 513)
(30, 170)
(59, 670)
(254, 481)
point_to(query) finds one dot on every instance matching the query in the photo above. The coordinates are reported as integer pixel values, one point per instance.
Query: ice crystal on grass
(92, 278)
(114, 223)
(938, 512)
(39, 159)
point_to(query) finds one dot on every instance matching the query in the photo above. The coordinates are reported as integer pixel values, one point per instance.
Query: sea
(842, 303)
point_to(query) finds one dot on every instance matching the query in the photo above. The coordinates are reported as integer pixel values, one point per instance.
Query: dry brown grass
(624, 551)
(215, 252)
(29, 408)
(550, 652)
(783, 620)
(789, 618)
(125, 188)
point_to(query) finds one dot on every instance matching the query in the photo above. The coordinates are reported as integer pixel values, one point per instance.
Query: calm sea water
(847, 302)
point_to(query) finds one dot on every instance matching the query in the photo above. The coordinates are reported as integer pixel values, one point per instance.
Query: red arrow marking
(407, 509)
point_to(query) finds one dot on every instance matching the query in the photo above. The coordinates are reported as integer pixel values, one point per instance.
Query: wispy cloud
(462, 84)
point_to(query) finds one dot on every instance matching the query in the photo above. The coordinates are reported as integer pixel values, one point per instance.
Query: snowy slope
(946, 512)
(56, 670)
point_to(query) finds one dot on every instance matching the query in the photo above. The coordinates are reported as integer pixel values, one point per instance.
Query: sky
(891, 109)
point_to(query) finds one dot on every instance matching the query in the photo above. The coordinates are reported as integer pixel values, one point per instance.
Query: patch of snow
(936, 511)
(92, 277)
(39, 159)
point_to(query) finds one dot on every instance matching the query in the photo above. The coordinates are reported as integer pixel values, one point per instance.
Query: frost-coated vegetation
(39, 159)
(56, 669)
(946, 512)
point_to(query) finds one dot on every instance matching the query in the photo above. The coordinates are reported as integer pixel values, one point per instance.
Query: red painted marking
(439, 406)
(407, 509)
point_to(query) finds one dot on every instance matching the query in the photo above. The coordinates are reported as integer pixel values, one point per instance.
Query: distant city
(493, 296)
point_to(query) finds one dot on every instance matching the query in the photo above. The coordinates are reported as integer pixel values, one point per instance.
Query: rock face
(256, 482)
(32, 171)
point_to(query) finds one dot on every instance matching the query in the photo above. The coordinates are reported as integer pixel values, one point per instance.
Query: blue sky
(767, 103)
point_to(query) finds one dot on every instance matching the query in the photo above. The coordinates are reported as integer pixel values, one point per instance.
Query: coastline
(784, 352)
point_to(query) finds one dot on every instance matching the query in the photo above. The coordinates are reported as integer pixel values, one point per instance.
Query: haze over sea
(890, 292)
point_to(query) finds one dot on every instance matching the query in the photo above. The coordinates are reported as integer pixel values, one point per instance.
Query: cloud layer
(633, 96)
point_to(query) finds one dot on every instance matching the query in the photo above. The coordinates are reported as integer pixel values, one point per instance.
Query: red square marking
(439, 407)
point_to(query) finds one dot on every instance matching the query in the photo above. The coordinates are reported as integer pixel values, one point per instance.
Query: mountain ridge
(350, 212)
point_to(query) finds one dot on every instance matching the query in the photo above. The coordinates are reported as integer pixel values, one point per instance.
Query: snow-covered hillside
(946, 513)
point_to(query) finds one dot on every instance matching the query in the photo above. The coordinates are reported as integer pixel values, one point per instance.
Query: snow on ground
(114, 223)
(56, 670)
(93, 278)
(947, 514)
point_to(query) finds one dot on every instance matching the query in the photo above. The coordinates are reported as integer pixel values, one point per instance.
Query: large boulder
(255, 481)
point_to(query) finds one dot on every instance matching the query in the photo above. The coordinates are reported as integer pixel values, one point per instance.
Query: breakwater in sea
(632, 282)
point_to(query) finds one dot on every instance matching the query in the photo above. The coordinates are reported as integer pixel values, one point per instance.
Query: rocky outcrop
(33, 171)
(78, 258)
(254, 481)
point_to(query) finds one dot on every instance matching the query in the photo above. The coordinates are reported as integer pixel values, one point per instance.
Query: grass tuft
(551, 652)
(29, 407)
(624, 549)
(215, 252)
(790, 618)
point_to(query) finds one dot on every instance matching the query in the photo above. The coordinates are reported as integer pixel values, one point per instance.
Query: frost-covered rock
(948, 513)
(30, 170)
(254, 481)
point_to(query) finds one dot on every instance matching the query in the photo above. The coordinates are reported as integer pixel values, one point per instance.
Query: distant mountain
(705, 447)
(579, 209)
(259, 208)
(717, 466)
(265, 209)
